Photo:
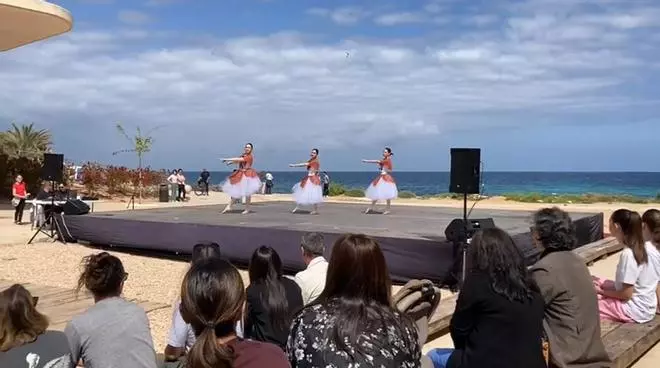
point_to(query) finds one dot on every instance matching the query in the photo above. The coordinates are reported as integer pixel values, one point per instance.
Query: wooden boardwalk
(61, 305)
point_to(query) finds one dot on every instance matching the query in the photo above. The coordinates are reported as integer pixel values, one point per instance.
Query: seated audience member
(25, 340)
(212, 297)
(498, 321)
(353, 322)
(113, 332)
(651, 225)
(631, 297)
(181, 336)
(312, 279)
(272, 299)
(571, 304)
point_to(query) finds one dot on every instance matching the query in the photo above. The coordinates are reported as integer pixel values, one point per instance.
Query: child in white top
(631, 297)
(651, 225)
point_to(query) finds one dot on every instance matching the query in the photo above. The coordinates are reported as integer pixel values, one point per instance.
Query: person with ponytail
(212, 297)
(272, 299)
(651, 225)
(113, 332)
(631, 297)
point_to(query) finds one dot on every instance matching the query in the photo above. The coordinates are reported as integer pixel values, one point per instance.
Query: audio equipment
(75, 207)
(53, 167)
(458, 231)
(465, 170)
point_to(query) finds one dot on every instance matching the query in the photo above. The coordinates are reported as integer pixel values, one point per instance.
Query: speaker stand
(465, 244)
(131, 202)
(54, 232)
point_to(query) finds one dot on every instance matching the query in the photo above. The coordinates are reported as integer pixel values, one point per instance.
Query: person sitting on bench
(498, 321)
(571, 303)
(631, 297)
(651, 225)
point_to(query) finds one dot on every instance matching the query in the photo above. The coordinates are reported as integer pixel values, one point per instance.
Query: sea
(641, 184)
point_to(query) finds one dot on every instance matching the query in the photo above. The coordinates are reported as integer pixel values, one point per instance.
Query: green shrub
(336, 189)
(407, 194)
(574, 198)
(356, 193)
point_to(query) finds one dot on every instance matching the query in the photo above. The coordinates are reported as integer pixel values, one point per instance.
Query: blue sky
(539, 85)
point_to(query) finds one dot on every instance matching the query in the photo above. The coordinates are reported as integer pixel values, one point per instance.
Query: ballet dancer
(383, 188)
(244, 181)
(309, 191)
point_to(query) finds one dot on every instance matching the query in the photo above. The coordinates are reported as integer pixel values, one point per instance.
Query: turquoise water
(641, 184)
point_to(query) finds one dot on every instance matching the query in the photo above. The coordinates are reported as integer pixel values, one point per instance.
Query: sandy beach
(158, 279)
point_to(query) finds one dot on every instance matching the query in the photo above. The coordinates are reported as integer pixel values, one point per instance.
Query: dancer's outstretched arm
(371, 161)
(233, 160)
(302, 164)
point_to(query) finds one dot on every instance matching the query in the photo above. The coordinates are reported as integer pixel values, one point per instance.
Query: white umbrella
(26, 21)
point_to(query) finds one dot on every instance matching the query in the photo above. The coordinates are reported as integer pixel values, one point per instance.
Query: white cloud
(392, 19)
(133, 17)
(286, 90)
(346, 15)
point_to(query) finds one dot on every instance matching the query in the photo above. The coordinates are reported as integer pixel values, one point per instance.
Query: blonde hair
(20, 322)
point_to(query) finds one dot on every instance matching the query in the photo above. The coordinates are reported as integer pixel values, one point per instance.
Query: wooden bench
(627, 342)
(439, 323)
(61, 305)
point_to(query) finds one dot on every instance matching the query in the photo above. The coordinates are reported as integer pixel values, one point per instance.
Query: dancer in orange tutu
(383, 188)
(309, 191)
(243, 182)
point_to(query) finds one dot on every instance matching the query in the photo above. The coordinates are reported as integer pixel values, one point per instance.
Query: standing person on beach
(326, 183)
(173, 186)
(181, 183)
(269, 183)
(19, 194)
(309, 190)
(383, 188)
(243, 182)
(204, 178)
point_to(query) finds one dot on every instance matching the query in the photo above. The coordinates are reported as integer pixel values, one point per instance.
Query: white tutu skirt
(247, 186)
(308, 195)
(382, 191)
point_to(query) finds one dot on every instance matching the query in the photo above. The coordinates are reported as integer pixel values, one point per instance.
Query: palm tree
(25, 141)
(141, 145)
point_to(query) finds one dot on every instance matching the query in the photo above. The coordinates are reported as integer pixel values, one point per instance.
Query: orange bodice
(313, 166)
(385, 166)
(244, 169)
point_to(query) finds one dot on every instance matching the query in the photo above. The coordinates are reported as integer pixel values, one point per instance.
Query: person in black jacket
(498, 321)
(272, 299)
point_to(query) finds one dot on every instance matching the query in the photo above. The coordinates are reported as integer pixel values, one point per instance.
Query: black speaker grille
(53, 167)
(465, 170)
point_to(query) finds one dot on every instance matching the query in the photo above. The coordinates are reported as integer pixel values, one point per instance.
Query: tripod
(55, 232)
(464, 242)
(131, 202)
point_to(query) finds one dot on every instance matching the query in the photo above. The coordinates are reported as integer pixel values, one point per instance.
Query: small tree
(141, 145)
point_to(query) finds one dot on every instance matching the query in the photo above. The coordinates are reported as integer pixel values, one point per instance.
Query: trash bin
(163, 193)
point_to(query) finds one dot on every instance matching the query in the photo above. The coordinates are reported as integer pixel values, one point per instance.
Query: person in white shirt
(631, 297)
(173, 185)
(312, 279)
(651, 224)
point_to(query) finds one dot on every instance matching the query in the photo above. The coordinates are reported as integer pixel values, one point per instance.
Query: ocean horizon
(641, 184)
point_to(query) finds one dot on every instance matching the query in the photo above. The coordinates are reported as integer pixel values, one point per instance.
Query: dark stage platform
(411, 237)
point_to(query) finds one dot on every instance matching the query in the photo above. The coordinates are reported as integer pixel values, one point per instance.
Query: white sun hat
(25, 21)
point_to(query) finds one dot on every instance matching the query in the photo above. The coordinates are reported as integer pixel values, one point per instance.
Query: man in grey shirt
(112, 333)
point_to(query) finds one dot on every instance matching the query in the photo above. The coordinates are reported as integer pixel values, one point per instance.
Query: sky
(538, 85)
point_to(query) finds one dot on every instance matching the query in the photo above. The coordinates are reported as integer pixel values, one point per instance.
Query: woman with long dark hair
(651, 224)
(498, 321)
(571, 305)
(181, 336)
(24, 334)
(113, 332)
(631, 297)
(272, 299)
(212, 297)
(353, 322)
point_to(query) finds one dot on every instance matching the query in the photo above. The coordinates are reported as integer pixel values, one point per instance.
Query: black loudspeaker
(465, 170)
(457, 232)
(74, 207)
(53, 167)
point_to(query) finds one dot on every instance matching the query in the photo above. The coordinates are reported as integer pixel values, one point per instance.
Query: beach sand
(159, 280)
